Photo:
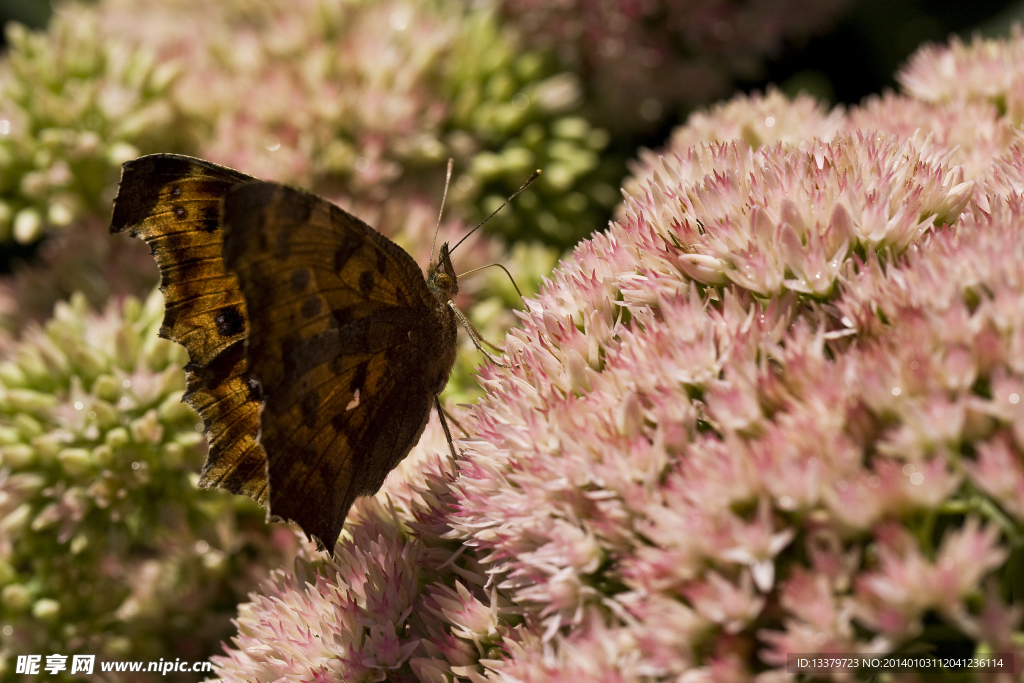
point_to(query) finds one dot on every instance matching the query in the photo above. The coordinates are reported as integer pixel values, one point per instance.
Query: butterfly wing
(347, 341)
(173, 203)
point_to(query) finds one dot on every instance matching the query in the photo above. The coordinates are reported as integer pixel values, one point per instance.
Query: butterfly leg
(444, 426)
(458, 425)
(478, 341)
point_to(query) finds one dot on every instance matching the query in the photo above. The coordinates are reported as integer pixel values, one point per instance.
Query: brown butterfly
(316, 345)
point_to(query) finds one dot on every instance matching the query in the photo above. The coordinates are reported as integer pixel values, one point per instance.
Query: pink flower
(984, 70)
(974, 130)
(999, 472)
(894, 598)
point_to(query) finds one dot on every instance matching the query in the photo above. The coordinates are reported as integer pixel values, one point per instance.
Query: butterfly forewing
(347, 341)
(173, 203)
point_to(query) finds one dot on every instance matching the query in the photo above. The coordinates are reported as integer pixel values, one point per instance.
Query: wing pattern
(173, 203)
(347, 341)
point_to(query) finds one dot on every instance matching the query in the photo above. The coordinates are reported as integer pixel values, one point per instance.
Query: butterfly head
(441, 277)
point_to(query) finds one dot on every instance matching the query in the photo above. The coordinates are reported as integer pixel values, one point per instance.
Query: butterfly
(316, 345)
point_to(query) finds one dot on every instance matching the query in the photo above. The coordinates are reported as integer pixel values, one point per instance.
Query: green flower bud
(189, 440)
(17, 456)
(173, 410)
(47, 446)
(107, 415)
(121, 152)
(103, 456)
(147, 429)
(107, 387)
(79, 543)
(88, 362)
(30, 401)
(11, 375)
(15, 597)
(118, 438)
(46, 609)
(75, 461)
(9, 435)
(132, 309)
(28, 426)
(28, 226)
(118, 646)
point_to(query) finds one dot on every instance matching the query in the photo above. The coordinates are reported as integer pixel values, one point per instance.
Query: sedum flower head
(974, 131)
(106, 546)
(758, 120)
(985, 70)
(717, 476)
(366, 100)
(398, 601)
(772, 221)
(74, 105)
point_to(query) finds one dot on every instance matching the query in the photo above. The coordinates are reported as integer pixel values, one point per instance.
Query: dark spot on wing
(220, 369)
(296, 207)
(210, 217)
(229, 321)
(382, 262)
(179, 212)
(358, 377)
(366, 283)
(311, 307)
(299, 279)
(349, 246)
(176, 191)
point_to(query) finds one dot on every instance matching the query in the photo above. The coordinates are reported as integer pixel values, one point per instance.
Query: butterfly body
(317, 346)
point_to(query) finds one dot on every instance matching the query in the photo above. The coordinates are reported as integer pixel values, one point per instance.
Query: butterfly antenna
(529, 181)
(447, 182)
(496, 265)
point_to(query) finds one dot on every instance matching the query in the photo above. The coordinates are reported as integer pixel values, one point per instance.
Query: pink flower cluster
(986, 70)
(775, 408)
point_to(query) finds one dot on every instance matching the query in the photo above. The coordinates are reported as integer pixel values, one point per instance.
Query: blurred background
(854, 57)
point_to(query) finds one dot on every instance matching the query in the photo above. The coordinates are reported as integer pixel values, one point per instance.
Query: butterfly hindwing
(173, 203)
(349, 344)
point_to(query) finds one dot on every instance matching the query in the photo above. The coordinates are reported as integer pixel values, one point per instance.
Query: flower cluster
(770, 221)
(397, 601)
(106, 546)
(73, 107)
(641, 60)
(775, 408)
(986, 70)
(297, 92)
(366, 101)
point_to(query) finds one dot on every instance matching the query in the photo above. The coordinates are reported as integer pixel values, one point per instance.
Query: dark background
(860, 55)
